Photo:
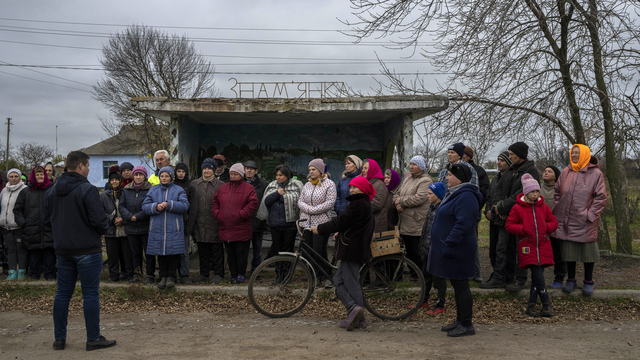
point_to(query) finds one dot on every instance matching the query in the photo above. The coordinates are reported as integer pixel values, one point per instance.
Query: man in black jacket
(74, 211)
(504, 199)
(258, 226)
(484, 184)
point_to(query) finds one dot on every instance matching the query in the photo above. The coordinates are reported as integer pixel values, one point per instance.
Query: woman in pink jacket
(579, 198)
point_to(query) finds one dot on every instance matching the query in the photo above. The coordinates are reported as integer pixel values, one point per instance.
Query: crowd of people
(152, 222)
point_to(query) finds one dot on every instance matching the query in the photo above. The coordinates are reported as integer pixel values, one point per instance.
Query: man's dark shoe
(149, 280)
(462, 331)
(101, 343)
(493, 284)
(217, 279)
(184, 280)
(514, 287)
(200, 278)
(59, 344)
(450, 327)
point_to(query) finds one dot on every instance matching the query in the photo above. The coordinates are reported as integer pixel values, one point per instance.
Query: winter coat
(8, 198)
(533, 223)
(260, 185)
(413, 199)
(453, 235)
(130, 205)
(233, 205)
(201, 224)
(110, 205)
(166, 227)
(28, 212)
(342, 191)
(483, 183)
(547, 192)
(425, 238)
(510, 186)
(316, 202)
(490, 198)
(74, 211)
(355, 227)
(579, 200)
(392, 212)
(185, 182)
(281, 210)
(379, 203)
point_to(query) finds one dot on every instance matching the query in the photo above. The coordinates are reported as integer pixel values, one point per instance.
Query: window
(105, 168)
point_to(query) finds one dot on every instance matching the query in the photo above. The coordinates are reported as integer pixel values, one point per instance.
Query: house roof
(124, 143)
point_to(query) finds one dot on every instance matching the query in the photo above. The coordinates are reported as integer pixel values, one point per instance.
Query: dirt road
(206, 336)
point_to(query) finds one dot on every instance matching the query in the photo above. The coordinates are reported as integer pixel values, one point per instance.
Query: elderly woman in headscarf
(392, 181)
(16, 253)
(352, 168)
(412, 206)
(579, 198)
(371, 171)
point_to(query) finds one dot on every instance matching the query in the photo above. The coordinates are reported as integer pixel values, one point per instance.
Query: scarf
(34, 184)
(137, 187)
(585, 157)
(394, 181)
(318, 181)
(374, 170)
(209, 178)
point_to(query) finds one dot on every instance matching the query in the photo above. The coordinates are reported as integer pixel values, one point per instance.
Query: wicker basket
(386, 243)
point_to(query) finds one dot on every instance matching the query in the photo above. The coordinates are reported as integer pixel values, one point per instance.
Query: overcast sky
(37, 107)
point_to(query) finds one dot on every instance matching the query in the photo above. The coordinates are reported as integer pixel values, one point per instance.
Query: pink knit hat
(139, 169)
(237, 167)
(318, 164)
(529, 184)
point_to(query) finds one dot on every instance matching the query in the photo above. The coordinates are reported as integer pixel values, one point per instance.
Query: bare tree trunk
(604, 241)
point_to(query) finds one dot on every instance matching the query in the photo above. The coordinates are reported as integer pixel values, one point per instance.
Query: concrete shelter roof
(292, 111)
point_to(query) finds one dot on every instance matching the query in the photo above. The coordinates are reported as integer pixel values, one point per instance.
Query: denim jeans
(88, 267)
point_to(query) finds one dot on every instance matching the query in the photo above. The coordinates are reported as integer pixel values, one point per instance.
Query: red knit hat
(364, 185)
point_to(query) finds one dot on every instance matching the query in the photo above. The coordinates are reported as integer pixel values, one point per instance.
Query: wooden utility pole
(7, 157)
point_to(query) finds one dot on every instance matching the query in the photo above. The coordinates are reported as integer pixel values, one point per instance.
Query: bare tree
(31, 154)
(522, 67)
(146, 62)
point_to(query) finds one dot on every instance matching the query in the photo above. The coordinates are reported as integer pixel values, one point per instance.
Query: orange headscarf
(585, 157)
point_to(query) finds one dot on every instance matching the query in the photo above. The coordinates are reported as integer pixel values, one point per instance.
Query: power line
(4, 63)
(50, 45)
(46, 82)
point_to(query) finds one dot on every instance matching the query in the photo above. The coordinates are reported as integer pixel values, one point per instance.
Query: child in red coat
(533, 222)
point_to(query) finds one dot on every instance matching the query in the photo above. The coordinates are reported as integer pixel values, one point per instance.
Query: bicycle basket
(385, 243)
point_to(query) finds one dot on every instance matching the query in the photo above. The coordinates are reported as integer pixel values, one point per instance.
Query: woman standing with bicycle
(454, 245)
(354, 227)
(316, 201)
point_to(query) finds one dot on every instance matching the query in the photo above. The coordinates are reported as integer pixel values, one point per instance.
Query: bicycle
(285, 289)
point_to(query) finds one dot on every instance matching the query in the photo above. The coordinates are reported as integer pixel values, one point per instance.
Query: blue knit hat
(420, 161)
(168, 170)
(209, 163)
(458, 148)
(438, 189)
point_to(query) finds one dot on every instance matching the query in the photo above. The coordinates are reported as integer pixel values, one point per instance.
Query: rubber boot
(163, 283)
(22, 274)
(170, 283)
(13, 275)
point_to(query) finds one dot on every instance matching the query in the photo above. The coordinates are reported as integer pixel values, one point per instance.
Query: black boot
(531, 310)
(546, 310)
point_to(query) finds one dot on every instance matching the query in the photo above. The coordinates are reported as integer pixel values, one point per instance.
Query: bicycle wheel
(388, 293)
(282, 290)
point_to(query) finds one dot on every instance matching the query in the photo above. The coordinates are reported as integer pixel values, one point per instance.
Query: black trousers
(42, 259)
(282, 240)
(211, 257)
(560, 267)
(138, 244)
(168, 265)
(412, 245)
(538, 287)
(464, 301)
(319, 245)
(115, 245)
(494, 231)
(236, 257)
(439, 285)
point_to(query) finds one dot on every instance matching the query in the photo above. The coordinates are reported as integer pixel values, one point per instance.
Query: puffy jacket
(260, 185)
(425, 238)
(453, 235)
(166, 227)
(510, 186)
(74, 211)
(413, 198)
(201, 224)
(342, 191)
(110, 205)
(316, 202)
(8, 198)
(233, 205)
(282, 210)
(379, 203)
(130, 205)
(355, 226)
(579, 199)
(532, 223)
(28, 212)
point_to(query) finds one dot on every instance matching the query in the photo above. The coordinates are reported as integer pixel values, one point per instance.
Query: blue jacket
(166, 228)
(75, 213)
(453, 234)
(343, 192)
(130, 205)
